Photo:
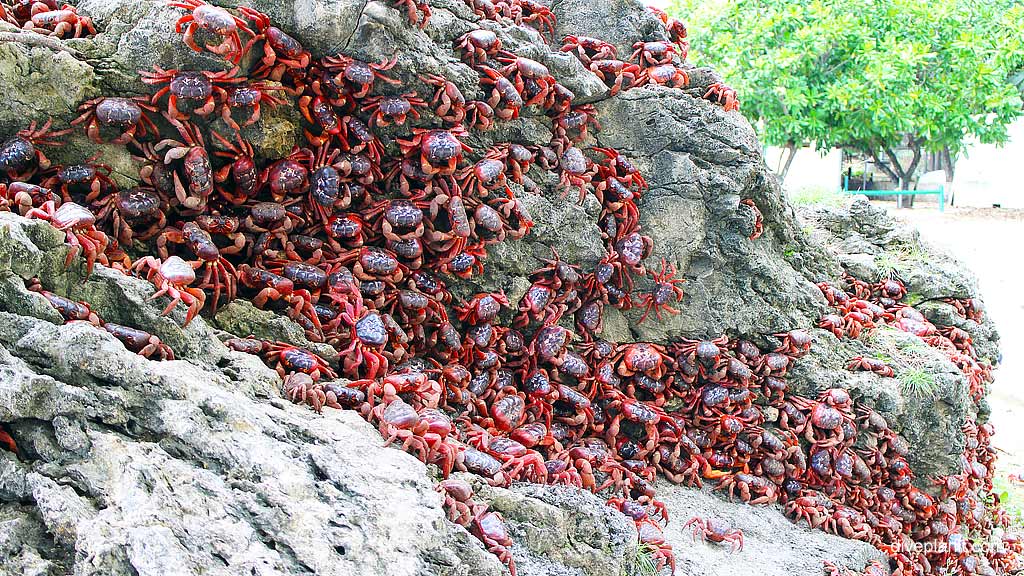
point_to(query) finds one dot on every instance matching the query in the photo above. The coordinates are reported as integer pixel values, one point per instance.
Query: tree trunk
(904, 174)
(791, 149)
(949, 167)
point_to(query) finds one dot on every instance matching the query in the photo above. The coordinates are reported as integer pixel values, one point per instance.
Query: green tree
(867, 75)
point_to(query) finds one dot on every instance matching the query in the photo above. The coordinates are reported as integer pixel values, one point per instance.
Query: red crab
(250, 98)
(577, 172)
(212, 19)
(219, 275)
(439, 150)
(139, 341)
(287, 359)
(172, 277)
(505, 99)
(448, 102)
(78, 223)
(870, 364)
(588, 49)
(716, 530)
(723, 95)
(758, 228)
(20, 156)
(669, 75)
(615, 74)
(69, 309)
(200, 90)
(648, 54)
(281, 52)
(666, 287)
(195, 164)
(358, 76)
(62, 23)
(134, 213)
(478, 45)
(417, 11)
(387, 110)
(127, 115)
(520, 70)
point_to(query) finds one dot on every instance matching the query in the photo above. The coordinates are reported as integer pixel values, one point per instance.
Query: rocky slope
(198, 466)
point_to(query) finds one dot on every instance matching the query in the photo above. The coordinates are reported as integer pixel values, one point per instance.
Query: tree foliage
(868, 75)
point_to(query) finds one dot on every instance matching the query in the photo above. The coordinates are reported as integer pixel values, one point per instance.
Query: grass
(894, 259)
(643, 563)
(1011, 496)
(817, 196)
(917, 383)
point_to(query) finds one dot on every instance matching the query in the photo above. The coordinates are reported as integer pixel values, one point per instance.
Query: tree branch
(874, 156)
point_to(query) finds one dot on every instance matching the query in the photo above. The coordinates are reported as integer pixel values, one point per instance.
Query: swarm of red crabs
(356, 237)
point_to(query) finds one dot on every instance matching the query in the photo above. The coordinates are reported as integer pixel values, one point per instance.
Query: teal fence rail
(940, 192)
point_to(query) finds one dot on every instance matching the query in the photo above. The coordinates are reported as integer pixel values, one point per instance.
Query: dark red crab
(127, 115)
(281, 52)
(439, 150)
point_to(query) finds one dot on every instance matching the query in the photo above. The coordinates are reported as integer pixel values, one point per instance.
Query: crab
(530, 12)
(172, 277)
(795, 343)
(588, 49)
(288, 176)
(642, 414)
(212, 19)
(490, 529)
(368, 335)
(481, 308)
(577, 172)
(127, 115)
(219, 273)
(281, 52)
(70, 310)
(65, 22)
(870, 364)
(724, 95)
(250, 98)
(716, 530)
(200, 90)
(274, 287)
(517, 460)
(78, 223)
(73, 180)
(666, 287)
(520, 70)
(286, 359)
(478, 45)
(20, 156)
(573, 124)
(417, 11)
(358, 76)
(448, 102)
(439, 150)
(387, 110)
(616, 74)
(195, 164)
(139, 341)
(752, 489)
(649, 54)
(669, 75)
(504, 99)
(241, 170)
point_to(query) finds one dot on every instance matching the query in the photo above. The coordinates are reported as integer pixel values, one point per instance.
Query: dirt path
(991, 243)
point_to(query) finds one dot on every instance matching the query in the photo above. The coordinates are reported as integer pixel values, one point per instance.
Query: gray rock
(40, 83)
(772, 545)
